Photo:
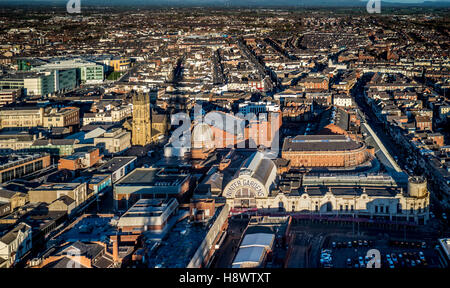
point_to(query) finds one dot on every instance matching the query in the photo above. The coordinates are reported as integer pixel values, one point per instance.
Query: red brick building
(324, 151)
(424, 123)
(80, 160)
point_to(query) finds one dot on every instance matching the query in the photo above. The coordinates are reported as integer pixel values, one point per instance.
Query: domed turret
(202, 137)
(417, 186)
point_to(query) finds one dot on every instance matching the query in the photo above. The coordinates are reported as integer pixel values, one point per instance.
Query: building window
(376, 209)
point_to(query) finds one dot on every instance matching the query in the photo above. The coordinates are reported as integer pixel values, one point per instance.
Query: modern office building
(19, 165)
(32, 83)
(88, 72)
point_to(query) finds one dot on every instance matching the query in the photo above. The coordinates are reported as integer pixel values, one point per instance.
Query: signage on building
(252, 184)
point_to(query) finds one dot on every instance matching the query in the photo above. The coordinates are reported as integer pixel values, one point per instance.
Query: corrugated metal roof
(258, 240)
(253, 254)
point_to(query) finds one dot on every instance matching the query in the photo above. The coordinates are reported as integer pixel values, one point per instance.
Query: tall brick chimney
(116, 249)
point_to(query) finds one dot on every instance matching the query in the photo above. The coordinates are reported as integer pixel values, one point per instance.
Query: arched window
(245, 193)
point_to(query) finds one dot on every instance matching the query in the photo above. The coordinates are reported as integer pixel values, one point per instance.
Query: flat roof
(57, 186)
(151, 177)
(116, 163)
(91, 228)
(320, 143)
(258, 239)
(254, 254)
(177, 250)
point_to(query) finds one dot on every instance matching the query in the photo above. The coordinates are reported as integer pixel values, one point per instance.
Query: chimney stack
(116, 249)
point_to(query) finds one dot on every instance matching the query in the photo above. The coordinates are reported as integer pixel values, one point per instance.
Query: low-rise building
(342, 100)
(19, 165)
(8, 96)
(14, 245)
(150, 183)
(16, 140)
(80, 160)
(65, 117)
(114, 141)
(324, 151)
(48, 193)
(100, 183)
(118, 167)
(148, 215)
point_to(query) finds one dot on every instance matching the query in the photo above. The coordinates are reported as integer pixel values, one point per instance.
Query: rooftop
(152, 177)
(57, 186)
(177, 250)
(115, 164)
(320, 143)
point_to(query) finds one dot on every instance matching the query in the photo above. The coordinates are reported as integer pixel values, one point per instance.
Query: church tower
(142, 123)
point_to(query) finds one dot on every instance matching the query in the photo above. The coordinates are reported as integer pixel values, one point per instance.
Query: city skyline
(187, 136)
(234, 3)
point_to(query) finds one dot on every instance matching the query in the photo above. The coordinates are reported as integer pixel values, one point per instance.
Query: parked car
(361, 261)
(394, 258)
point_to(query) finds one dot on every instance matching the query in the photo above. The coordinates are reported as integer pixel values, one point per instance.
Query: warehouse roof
(258, 240)
(253, 255)
(320, 143)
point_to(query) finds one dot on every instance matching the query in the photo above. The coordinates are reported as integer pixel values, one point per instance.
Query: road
(227, 251)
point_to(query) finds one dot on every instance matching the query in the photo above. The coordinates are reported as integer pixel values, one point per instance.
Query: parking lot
(349, 252)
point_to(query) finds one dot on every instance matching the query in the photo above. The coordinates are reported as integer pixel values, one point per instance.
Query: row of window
(21, 171)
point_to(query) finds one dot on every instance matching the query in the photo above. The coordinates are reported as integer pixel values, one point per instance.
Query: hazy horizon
(229, 3)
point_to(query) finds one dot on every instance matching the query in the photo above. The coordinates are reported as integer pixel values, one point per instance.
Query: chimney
(116, 249)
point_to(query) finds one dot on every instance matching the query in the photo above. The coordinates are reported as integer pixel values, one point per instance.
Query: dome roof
(202, 136)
